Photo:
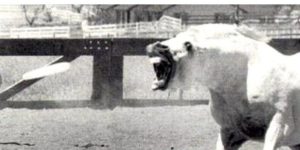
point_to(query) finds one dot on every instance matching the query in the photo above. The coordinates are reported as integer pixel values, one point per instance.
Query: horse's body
(255, 90)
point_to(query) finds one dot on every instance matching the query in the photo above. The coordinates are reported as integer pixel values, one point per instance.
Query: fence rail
(163, 28)
(246, 19)
(108, 67)
(166, 27)
(276, 27)
(279, 31)
(40, 32)
(107, 87)
(5, 33)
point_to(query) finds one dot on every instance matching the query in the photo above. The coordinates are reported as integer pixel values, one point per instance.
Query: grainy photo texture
(149, 77)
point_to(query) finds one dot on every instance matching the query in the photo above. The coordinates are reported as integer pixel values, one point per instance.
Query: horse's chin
(159, 85)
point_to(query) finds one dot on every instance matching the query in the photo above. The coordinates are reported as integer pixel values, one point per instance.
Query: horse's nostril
(161, 46)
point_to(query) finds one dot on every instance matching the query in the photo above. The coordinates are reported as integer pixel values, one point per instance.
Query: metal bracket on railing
(97, 45)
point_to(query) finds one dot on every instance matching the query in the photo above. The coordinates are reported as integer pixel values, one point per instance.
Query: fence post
(137, 29)
(156, 28)
(116, 31)
(107, 77)
(101, 72)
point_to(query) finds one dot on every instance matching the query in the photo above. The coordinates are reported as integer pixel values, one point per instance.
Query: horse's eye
(188, 46)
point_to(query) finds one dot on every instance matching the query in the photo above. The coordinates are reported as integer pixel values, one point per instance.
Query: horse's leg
(220, 145)
(281, 125)
(229, 139)
(274, 132)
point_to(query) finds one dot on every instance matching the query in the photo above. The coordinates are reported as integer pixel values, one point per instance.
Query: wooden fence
(245, 19)
(4, 33)
(276, 27)
(164, 28)
(40, 32)
(279, 31)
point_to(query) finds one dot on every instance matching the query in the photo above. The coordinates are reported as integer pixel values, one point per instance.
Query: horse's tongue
(158, 84)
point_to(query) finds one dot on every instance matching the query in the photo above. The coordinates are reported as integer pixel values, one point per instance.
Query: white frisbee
(46, 71)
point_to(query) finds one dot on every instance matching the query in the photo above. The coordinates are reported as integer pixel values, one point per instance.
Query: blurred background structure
(124, 71)
(80, 21)
(280, 22)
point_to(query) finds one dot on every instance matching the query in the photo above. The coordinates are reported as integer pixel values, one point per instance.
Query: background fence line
(40, 32)
(165, 27)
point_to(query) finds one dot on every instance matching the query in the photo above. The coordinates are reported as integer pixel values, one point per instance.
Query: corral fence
(165, 27)
(4, 33)
(108, 62)
(279, 31)
(108, 68)
(40, 32)
(245, 19)
(108, 56)
(276, 27)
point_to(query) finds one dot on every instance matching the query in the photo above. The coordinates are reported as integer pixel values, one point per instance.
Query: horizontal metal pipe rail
(107, 67)
(108, 55)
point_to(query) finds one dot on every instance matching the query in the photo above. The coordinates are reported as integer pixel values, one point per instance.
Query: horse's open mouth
(164, 67)
(163, 74)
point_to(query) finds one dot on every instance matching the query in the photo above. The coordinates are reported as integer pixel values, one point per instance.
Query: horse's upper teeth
(154, 60)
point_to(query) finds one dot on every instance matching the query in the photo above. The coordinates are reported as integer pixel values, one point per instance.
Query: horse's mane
(252, 33)
(232, 30)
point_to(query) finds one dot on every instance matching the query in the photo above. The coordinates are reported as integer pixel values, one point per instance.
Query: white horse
(255, 90)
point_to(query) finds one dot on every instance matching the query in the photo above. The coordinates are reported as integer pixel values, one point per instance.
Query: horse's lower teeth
(158, 83)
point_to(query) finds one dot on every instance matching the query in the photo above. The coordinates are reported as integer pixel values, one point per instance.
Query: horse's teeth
(159, 82)
(154, 87)
(155, 60)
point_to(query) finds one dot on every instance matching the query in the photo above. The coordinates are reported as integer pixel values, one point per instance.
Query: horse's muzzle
(155, 48)
(163, 64)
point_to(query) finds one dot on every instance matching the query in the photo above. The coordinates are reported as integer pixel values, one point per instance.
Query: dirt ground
(150, 128)
(147, 128)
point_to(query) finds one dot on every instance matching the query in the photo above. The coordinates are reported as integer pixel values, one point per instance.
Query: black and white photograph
(149, 76)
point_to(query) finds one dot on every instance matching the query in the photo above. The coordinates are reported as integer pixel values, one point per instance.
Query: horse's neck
(226, 72)
(229, 71)
(264, 53)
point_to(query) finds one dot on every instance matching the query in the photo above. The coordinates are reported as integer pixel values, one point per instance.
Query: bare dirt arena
(123, 128)
(151, 128)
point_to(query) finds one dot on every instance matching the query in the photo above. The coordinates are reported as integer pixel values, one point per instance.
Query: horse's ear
(188, 51)
(188, 46)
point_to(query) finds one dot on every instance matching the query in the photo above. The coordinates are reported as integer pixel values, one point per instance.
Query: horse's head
(165, 57)
(198, 52)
